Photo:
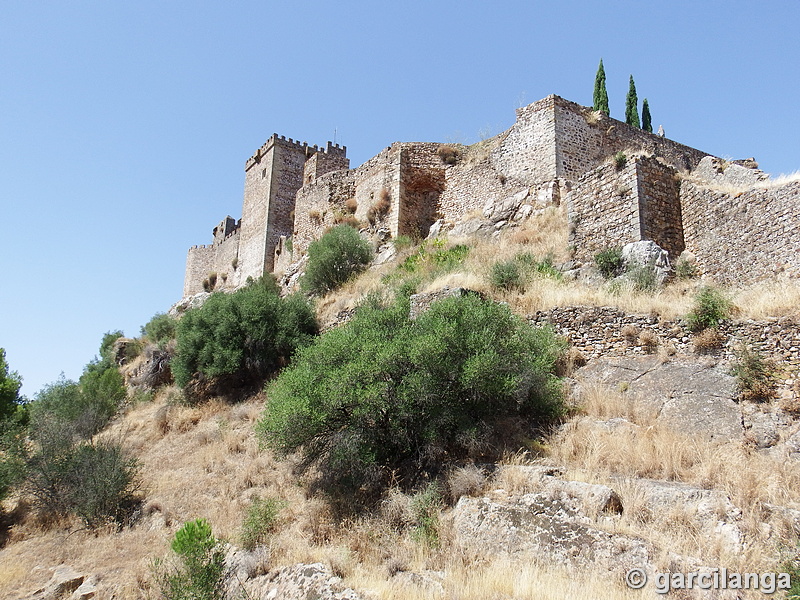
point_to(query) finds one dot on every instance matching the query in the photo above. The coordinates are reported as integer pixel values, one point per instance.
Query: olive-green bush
(333, 259)
(246, 335)
(384, 394)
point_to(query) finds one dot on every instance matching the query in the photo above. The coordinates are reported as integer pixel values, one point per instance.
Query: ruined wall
(743, 237)
(199, 262)
(584, 139)
(600, 331)
(660, 219)
(603, 210)
(527, 152)
(321, 205)
(422, 179)
(610, 207)
(332, 158)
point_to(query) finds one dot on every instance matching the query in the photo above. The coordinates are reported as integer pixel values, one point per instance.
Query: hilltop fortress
(738, 225)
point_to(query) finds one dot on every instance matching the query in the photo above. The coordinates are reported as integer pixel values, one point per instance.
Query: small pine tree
(600, 93)
(647, 122)
(631, 106)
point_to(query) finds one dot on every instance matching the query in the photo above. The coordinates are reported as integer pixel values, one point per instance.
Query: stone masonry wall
(422, 177)
(600, 331)
(318, 206)
(611, 207)
(199, 262)
(584, 139)
(255, 209)
(660, 205)
(603, 210)
(748, 236)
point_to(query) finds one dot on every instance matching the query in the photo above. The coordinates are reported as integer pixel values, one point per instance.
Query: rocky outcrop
(300, 582)
(66, 582)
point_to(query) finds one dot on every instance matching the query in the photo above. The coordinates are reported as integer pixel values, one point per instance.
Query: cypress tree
(631, 106)
(600, 93)
(647, 122)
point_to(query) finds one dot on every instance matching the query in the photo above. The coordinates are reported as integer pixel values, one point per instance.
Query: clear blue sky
(124, 126)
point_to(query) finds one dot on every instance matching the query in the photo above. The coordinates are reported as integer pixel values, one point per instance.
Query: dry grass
(647, 448)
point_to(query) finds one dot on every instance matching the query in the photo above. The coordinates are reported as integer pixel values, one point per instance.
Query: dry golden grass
(647, 448)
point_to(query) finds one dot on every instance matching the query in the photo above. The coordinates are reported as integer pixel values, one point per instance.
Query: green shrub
(333, 259)
(81, 411)
(261, 521)
(609, 262)
(198, 574)
(620, 160)
(507, 275)
(401, 242)
(160, 329)
(245, 335)
(96, 482)
(10, 382)
(425, 506)
(12, 455)
(643, 278)
(384, 394)
(710, 307)
(755, 375)
(685, 269)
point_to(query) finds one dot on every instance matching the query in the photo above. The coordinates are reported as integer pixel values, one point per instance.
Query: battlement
(294, 145)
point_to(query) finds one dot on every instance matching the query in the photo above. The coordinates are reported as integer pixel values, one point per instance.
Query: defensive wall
(556, 151)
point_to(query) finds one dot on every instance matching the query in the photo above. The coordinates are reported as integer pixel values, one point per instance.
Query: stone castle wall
(611, 206)
(603, 210)
(556, 149)
(750, 235)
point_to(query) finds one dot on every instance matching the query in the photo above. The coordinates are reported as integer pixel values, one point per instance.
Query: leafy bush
(97, 482)
(514, 274)
(160, 329)
(245, 335)
(425, 506)
(710, 307)
(10, 382)
(261, 521)
(82, 409)
(755, 375)
(609, 262)
(507, 275)
(386, 394)
(334, 258)
(620, 160)
(12, 455)
(643, 279)
(685, 269)
(201, 565)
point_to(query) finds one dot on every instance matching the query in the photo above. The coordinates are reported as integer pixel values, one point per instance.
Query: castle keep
(738, 225)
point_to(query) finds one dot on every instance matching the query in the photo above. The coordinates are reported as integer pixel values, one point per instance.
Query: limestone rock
(65, 580)
(300, 582)
(691, 395)
(647, 253)
(545, 524)
(155, 371)
(85, 591)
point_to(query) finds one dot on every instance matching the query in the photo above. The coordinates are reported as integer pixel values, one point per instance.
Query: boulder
(692, 395)
(505, 209)
(300, 582)
(647, 254)
(65, 580)
(155, 371)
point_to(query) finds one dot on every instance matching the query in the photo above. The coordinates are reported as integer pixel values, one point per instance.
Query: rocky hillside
(678, 451)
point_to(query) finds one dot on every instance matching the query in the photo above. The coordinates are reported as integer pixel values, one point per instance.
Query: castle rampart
(749, 235)
(622, 184)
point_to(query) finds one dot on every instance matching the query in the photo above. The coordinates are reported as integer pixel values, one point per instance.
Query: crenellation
(620, 184)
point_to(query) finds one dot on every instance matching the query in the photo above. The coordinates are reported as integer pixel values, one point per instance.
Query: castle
(737, 224)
